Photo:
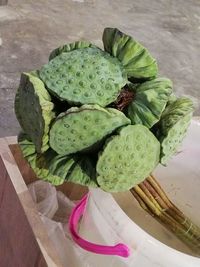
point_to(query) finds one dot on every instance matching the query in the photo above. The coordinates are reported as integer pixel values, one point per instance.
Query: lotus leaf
(55, 168)
(137, 61)
(149, 101)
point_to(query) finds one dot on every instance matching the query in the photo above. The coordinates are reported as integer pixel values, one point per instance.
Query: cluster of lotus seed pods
(100, 118)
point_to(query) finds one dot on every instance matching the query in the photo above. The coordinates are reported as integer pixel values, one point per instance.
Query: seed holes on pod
(81, 83)
(78, 74)
(76, 91)
(99, 93)
(66, 125)
(59, 81)
(108, 87)
(87, 118)
(138, 147)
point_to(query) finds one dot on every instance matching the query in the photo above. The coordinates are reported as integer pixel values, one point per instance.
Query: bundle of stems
(154, 200)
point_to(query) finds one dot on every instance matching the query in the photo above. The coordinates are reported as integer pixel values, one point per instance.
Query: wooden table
(24, 240)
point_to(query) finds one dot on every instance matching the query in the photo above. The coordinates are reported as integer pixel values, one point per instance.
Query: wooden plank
(18, 246)
(11, 167)
(40, 232)
(21, 175)
(11, 140)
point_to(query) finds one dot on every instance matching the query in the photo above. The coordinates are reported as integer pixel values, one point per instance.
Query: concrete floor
(29, 30)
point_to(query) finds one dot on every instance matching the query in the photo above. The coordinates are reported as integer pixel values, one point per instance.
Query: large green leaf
(137, 61)
(149, 101)
(69, 47)
(57, 169)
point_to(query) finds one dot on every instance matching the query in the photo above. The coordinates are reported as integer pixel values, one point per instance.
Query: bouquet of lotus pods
(100, 118)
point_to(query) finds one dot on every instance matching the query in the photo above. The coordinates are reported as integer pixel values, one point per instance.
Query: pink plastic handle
(119, 249)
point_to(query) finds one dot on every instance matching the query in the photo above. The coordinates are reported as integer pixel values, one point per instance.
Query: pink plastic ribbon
(118, 250)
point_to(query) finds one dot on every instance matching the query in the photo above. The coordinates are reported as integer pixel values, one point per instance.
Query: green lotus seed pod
(173, 126)
(69, 47)
(81, 128)
(127, 159)
(33, 108)
(84, 76)
(149, 101)
(137, 61)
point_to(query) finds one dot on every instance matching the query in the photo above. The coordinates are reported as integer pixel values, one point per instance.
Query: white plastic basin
(110, 219)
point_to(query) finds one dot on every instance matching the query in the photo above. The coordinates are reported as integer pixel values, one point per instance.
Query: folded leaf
(69, 47)
(83, 172)
(149, 101)
(173, 126)
(55, 168)
(137, 61)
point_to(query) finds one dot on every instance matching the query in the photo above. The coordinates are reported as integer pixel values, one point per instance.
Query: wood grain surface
(18, 246)
(24, 239)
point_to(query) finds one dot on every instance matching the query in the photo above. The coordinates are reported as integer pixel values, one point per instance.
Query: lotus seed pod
(84, 76)
(127, 159)
(81, 128)
(137, 61)
(69, 47)
(173, 126)
(33, 108)
(149, 101)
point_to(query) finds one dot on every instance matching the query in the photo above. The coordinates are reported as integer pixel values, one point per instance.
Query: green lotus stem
(154, 200)
(174, 211)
